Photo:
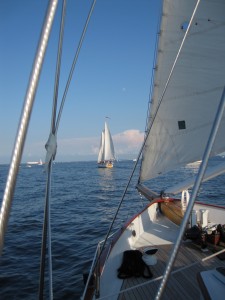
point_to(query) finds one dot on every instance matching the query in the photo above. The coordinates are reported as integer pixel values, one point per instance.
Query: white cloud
(128, 141)
(125, 143)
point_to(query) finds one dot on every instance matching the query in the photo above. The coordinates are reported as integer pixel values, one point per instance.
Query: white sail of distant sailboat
(106, 154)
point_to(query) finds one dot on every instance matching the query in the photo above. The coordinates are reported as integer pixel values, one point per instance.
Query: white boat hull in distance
(39, 163)
(104, 165)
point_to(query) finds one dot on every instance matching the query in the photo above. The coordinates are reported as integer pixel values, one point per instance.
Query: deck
(182, 283)
(154, 229)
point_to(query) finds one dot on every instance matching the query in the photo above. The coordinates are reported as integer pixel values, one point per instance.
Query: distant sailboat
(106, 154)
(39, 163)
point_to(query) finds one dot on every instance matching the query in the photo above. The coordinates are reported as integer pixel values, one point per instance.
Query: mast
(24, 120)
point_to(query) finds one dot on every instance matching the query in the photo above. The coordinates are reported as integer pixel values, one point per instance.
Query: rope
(213, 255)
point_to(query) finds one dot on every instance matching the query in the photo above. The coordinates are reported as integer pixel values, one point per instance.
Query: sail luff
(182, 124)
(101, 154)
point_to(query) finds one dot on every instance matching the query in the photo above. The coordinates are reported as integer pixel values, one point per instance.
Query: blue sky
(112, 76)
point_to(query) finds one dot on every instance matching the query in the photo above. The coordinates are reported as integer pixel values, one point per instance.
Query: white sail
(184, 119)
(106, 149)
(109, 148)
(101, 155)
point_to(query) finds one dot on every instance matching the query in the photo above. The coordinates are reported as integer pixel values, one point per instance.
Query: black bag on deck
(133, 265)
(193, 233)
(221, 230)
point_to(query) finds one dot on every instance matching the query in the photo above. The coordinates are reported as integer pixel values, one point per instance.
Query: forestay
(184, 119)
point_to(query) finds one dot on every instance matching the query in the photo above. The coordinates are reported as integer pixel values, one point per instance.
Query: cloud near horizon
(127, 142)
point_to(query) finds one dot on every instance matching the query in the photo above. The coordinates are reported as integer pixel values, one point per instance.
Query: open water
(83, 202)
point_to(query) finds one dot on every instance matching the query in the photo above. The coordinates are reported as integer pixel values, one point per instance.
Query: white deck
(151, 228)
(160, 232)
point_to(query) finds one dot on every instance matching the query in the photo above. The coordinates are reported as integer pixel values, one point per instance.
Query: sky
(112, 76)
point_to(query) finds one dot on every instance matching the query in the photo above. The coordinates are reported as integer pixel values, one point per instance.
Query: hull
(39, 163)
(108, 165)
(157, 227)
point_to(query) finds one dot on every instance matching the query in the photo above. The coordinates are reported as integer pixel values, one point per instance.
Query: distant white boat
(39, 163)
(195, 163)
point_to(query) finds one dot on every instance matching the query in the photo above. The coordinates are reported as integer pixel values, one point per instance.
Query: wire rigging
(46, 233)
(74, 63)
(51, 147)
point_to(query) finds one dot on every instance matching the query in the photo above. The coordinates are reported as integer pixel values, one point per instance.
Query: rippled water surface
(83, 201)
